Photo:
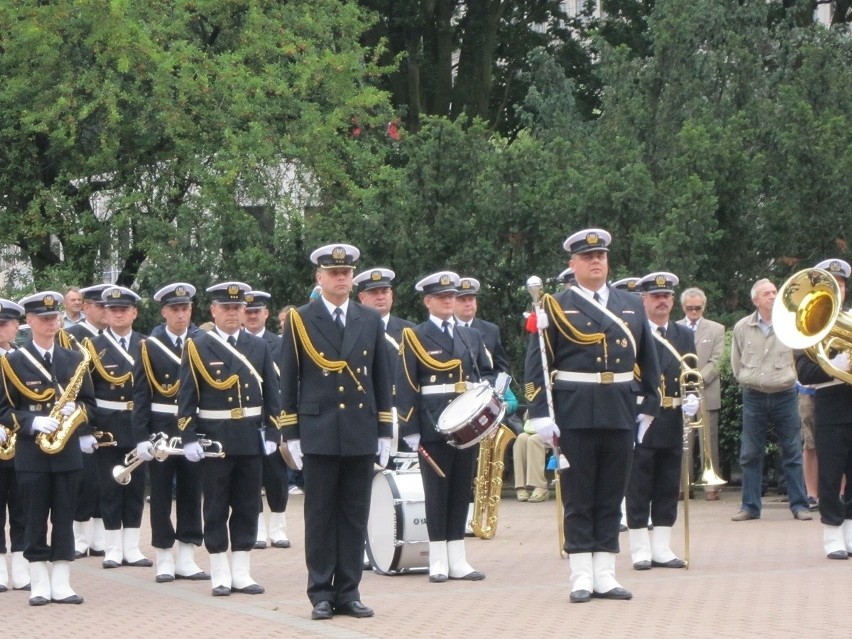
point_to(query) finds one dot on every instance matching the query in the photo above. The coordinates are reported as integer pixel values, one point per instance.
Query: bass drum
(397, 540)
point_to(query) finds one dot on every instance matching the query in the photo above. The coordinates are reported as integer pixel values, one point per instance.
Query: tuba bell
(807, 315)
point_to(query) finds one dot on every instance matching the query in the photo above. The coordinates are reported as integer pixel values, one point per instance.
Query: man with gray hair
(766, 370)
(709, 347)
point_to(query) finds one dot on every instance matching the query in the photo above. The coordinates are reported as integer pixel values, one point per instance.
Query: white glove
(2, 435)
(644, 422)
(546, 429)
(841, 361)
(88, 444)
(295, 448)
(690, 405)
(384, 451)
(69, 408)
(269, 447)
(193, 451)
(412, 441)
(46, 425)
(145, 450)
(541, 321)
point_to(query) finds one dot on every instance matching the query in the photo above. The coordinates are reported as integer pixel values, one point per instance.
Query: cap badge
(466, 284)
(338, 254)
(376, 276)
(631, 286)
(834, 267)
(445, 280)
(49, 301)
(660, 280)
(233, 290)
(114, 294)
(592, 239)
(180, 291)
(249, 298)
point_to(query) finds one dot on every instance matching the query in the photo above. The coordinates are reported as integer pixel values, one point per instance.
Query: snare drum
(397, 540)
(471, 416)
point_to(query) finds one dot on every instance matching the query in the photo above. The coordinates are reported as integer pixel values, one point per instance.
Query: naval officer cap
(228, 292)
(437, 283)
(629, 284)
(838, 268)
(257, 299)
(42, 303)
(587, 240)
(94, 293)
(468, 286)
(9, 310)
(378, 277)
(119, 296)
(336, 256)
(175, 293)
(567, 276)
(659, 282)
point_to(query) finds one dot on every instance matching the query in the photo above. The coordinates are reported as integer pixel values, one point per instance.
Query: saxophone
(55, 442)
(7, 448)
(488, 482)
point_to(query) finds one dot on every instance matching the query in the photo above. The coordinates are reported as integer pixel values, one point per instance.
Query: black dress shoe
(27, 587)
(259, 545)
(471, 576)
(164, 579)
(3, 588)
(109, 563)
(79, 555)
(615, 593)
(97, 553)
(39, 601)
(838, 554)
(672, 563)
(438, 579)
(354, 609)
(251, 589)
(642, 565)
(139, 563)
(281, 543)
(580, 596)
(322, 610)
(199, 576)
(73, 599)
(221, 591)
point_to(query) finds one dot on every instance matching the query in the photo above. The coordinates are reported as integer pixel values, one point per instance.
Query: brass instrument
(104, 438)
(132, 461)
(7, 448)
(535, 289)
(163, 449)
(488, 483)
(807, 314)
(55, 442)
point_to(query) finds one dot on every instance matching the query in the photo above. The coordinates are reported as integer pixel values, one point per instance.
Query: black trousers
(447, 498)
(121, 506)
(654, 486)
(834, 455)
(275, 482)
(337, 505)
(231, 487)
(10, 501)
(185, 476)
(593, 485)
(89, 494)
(49, 497)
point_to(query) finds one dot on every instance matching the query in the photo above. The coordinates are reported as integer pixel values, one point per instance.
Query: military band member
(440, 360)
(274, 468)
(629, 284)
(594, 337)
(114, 355)
(375, 290)
(567, 278)
(227, 388)
(88, 523)
(656, 471)
(10, 498)
(34, 378)
(155, 388)
(833, 421)
(465, 314)
(336, 387)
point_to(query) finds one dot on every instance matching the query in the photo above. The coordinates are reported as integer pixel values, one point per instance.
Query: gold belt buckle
(237, 413)
(461, 387)
(129, 405)
(668, 402)
(607, 377)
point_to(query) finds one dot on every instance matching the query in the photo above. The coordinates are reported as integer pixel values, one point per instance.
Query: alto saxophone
(488, 483)
(7, 448)
(55, 442)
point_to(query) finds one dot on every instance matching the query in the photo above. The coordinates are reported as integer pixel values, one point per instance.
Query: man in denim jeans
(766, 370)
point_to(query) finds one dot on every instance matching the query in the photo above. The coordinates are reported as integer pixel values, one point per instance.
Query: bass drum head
(397, 540)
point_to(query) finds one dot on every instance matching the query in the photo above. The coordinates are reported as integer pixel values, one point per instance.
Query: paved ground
(756, 578)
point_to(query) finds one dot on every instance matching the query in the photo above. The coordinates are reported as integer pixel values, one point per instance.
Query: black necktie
(47, 361)
(445, 325)
(662, 331)
(596, 297)
(338, 319)
(231, 340)
(123, 343)
(179, 343)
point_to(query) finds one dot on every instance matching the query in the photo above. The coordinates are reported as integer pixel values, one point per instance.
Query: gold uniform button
(246, 386)
(617, 360)
(450, 376)
(360, 405)
(167, 376)
(365, 353)
(248, 399)
(230, 399)
(340, 389)
(342, 406)
(218, 372)
(598, 360)
(588, 323)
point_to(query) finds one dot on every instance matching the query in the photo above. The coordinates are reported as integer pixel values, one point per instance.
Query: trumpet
(132, 461)
(104, 438)
(164, 449)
